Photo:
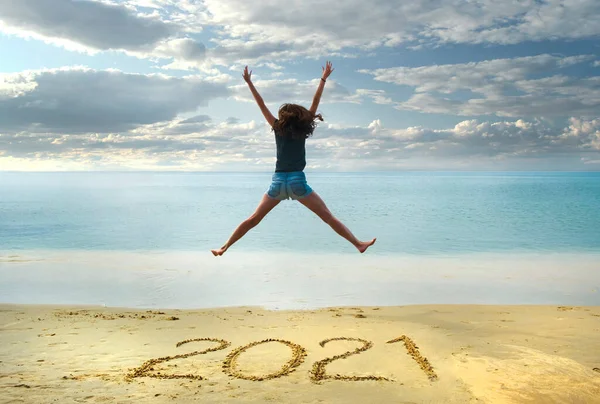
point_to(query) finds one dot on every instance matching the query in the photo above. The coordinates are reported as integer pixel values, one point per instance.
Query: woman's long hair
(296, 121)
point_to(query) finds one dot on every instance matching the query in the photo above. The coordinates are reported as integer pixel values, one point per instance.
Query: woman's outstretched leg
(316, 204)
(264, 207)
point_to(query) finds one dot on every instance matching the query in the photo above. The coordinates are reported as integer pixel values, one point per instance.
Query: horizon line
(306, 171)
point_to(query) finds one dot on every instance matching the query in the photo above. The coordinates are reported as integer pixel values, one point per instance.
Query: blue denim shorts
(290, 185)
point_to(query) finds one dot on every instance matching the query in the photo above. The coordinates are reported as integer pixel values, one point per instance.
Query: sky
(421, 85)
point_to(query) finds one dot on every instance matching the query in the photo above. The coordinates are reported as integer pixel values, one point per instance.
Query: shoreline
(242, 252)
(296, 281)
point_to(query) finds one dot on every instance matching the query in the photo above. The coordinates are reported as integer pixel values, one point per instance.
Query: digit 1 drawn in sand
(318, 370)
(413, 351)
(298, 355)
(148, 366)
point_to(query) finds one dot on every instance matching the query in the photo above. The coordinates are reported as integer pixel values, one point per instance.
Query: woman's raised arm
(317, 98)
(261, 104)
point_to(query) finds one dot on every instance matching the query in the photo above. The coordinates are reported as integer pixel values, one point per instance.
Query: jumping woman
(293, 126)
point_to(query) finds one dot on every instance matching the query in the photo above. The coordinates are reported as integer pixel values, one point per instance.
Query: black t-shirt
(291, 153)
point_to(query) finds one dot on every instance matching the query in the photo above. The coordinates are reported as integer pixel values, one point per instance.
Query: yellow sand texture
(412, 354)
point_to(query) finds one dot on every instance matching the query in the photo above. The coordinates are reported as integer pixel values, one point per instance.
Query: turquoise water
(409, 213)
(143, 240)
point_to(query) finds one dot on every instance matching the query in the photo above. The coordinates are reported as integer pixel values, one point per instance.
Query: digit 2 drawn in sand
(318, 370)
(413, 350)
(148, 366)
(298, 355)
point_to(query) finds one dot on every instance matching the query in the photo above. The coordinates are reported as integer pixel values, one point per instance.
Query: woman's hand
(247, 76)
(327, 71)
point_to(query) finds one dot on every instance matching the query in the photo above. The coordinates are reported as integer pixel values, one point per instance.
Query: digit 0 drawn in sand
(318, 373)
(298, 355)
(148, 366)
(413, 350)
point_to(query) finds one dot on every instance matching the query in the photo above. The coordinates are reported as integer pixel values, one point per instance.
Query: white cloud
(503, 87)
(81, 100)
(199, 143)
(269, 31)
(181, 48)
(93, 26)
(377, 96)
(550, 19)
(582, 133)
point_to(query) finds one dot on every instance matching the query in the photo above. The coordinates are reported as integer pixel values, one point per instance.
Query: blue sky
(425, 85)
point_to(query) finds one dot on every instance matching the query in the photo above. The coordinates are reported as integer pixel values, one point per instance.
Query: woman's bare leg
(316, 204)
(264, 207)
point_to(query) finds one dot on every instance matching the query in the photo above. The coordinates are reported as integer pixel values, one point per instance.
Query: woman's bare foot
(219, 252)
(362, 247)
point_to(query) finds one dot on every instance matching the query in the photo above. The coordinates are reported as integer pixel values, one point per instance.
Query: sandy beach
(409, 354)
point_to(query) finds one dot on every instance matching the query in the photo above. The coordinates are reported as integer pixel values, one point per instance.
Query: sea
(143, 239)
